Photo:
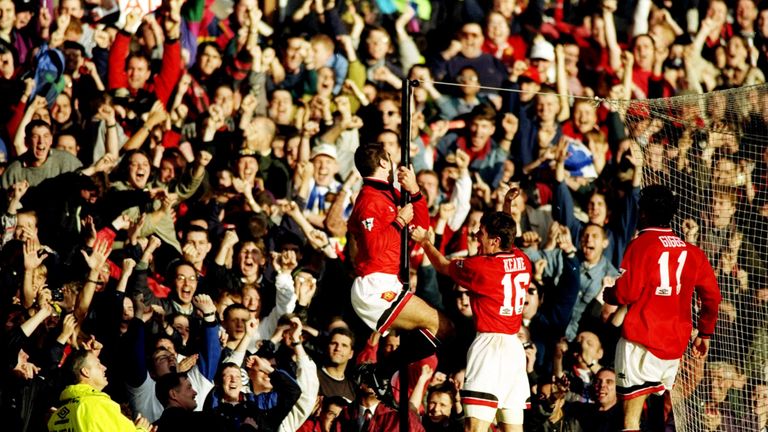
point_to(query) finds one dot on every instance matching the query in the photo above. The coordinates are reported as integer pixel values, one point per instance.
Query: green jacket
(85, 409)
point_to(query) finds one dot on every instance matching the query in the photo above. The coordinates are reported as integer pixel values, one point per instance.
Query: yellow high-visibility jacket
(85, 409)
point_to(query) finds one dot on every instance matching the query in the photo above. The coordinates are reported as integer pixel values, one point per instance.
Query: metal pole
(405, 277)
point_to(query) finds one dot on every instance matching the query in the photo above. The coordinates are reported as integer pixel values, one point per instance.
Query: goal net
(712, 150)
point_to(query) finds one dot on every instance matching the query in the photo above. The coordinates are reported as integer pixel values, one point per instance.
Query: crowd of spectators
(174, 247)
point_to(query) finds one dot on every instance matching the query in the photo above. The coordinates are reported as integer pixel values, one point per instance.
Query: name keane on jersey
(671, 241)
(514, 264)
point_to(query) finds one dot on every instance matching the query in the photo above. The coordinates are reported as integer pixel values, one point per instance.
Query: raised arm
(438, 260)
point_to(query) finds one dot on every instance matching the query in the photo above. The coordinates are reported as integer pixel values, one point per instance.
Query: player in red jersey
(375, 223)
(497, 279)
(659, 274)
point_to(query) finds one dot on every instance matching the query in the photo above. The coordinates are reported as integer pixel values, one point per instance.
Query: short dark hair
(75, 361)
(36, 124)
(334, 400)
(344, 332)
(600, 227)
(367, 158)
(501, 225)
(166, 383)
(483, 112)
(658, 205)
(232, 307)
(219, 378)
(447, 388)
(196, 228)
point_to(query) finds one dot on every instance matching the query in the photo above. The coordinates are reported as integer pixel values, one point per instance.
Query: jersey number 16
(520, 285)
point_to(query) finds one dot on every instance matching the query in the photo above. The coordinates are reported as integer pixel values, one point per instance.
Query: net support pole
(405, 160)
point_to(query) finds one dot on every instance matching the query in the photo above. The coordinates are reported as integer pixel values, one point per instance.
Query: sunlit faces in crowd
(597, 209)
(250, 258)
(226, 99)
(138, 170)
(281, 107)
(251, 299)
(481, 129)
(325, 169)
(430, 186)
(7, 63)
(94, 372)
(198, 238)
(231, 383)
(247, 168)
(497, 27)
(184, 394)
(39, 140)
(163, 361)
(138, 71)
(605, 388)
(505, 7)
(723, 209)
(471, 39)
(326, 79)
(391, 142)
(296, 50)
(180, 324)
(471, 82)
(332, 407)
(61, 112)
(463, 304)
(236, 317)
(73, 8)
(547, 107)
(390, 114)
(322, 49)
(209, 59)
(7, 16)
(67, 143)
(644, 51)
(377, 44)
(439, 405)
(185, 284)
(584, 115)
(593, 243)
(339, 349)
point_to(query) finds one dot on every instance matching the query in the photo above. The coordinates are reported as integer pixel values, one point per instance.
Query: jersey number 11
(665, 285)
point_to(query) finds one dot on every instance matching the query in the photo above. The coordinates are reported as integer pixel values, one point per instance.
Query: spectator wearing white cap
(323, 159)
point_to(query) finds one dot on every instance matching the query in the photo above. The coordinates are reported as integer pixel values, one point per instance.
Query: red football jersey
(659, 274)
(498, 285)
(373, 225)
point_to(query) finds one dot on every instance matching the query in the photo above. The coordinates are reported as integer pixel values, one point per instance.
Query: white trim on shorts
(639, 372)
(495, 382)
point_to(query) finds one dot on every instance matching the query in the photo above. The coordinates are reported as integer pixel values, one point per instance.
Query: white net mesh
(711, 150)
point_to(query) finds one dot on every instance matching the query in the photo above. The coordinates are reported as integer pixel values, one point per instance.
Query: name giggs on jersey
(514, 264)
(671, 241)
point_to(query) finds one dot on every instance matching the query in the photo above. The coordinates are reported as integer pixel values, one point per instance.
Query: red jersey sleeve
(420, 211)
(630, 283)
(461, 272)
(376, 222)
(118, 53)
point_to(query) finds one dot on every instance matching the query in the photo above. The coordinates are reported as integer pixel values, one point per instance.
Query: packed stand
(175, 248)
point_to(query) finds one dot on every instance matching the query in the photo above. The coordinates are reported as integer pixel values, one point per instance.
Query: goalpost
(712, 150)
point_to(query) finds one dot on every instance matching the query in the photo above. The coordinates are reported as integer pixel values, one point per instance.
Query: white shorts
(639, 372)
(496, 379)
(378, 298)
